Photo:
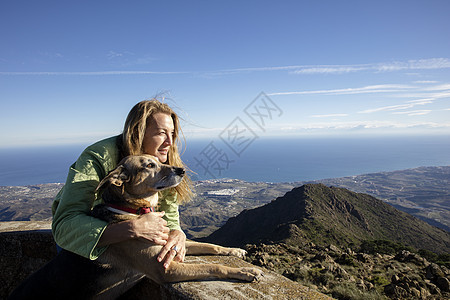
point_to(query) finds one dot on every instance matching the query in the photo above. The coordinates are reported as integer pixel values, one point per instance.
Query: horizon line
(330, 135)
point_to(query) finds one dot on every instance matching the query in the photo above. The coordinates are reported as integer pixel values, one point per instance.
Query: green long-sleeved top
(73, 228)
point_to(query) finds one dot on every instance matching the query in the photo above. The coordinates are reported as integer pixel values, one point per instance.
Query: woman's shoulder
(105, 151)
(104, 147)
(108, 144)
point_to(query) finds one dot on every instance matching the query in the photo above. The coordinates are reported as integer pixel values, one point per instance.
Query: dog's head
(142, 175)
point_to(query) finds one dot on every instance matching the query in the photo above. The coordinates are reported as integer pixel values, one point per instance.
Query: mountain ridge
(328, 215)
(423, 192)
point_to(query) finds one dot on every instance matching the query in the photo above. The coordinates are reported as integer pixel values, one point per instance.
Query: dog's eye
(151, 165)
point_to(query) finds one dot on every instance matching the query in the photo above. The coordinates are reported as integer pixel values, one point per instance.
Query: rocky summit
(329, 215)
(347, 245)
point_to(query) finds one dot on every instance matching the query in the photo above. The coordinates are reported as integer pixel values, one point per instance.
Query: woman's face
(158, 136)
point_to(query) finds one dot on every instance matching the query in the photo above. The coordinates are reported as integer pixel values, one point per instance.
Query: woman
(152, 128)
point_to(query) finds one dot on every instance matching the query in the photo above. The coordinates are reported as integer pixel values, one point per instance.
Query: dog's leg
(183, 272)
(196, 248)
(141, 256)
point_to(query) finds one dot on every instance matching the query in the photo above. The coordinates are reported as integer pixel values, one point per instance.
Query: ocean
(262, 159)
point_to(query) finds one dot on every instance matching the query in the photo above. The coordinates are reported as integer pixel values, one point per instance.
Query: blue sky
(71, 70)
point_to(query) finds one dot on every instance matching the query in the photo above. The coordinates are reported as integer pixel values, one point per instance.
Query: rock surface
(23, 252)
(25, 225)
(270, 286)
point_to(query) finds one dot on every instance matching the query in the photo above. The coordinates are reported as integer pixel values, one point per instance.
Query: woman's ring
(174, 248)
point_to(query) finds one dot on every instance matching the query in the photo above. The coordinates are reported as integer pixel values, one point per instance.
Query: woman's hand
(175, 248)
(152, 227)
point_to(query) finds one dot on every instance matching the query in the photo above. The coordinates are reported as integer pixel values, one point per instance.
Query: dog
(130, 189)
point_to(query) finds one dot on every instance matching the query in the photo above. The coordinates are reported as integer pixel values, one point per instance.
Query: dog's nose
(179, 171)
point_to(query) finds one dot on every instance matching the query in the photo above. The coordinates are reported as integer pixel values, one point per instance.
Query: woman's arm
(177, 237)
(74, 229)
(151, 227)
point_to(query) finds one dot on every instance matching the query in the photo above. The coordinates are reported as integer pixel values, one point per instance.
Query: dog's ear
(117, 177)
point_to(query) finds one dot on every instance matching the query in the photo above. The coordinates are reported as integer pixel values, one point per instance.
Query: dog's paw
(250, 274)
(241, 253)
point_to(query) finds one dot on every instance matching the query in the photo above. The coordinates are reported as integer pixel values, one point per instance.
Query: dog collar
(121, 209)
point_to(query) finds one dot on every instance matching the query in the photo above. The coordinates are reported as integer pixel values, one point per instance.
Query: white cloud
(329, 116)
(94, 73)
(393, 107)
(413, 112)
(431, 63)
(113, 54)
(330, 69)
(443, 91)
(425, 81)
(421, 64)
(441, 87)
(422, 101)
(380, 88)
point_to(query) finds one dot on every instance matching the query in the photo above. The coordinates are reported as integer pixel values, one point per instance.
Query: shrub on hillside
(382, 247)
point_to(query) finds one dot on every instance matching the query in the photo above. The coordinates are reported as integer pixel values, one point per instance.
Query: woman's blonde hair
(133, 138)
